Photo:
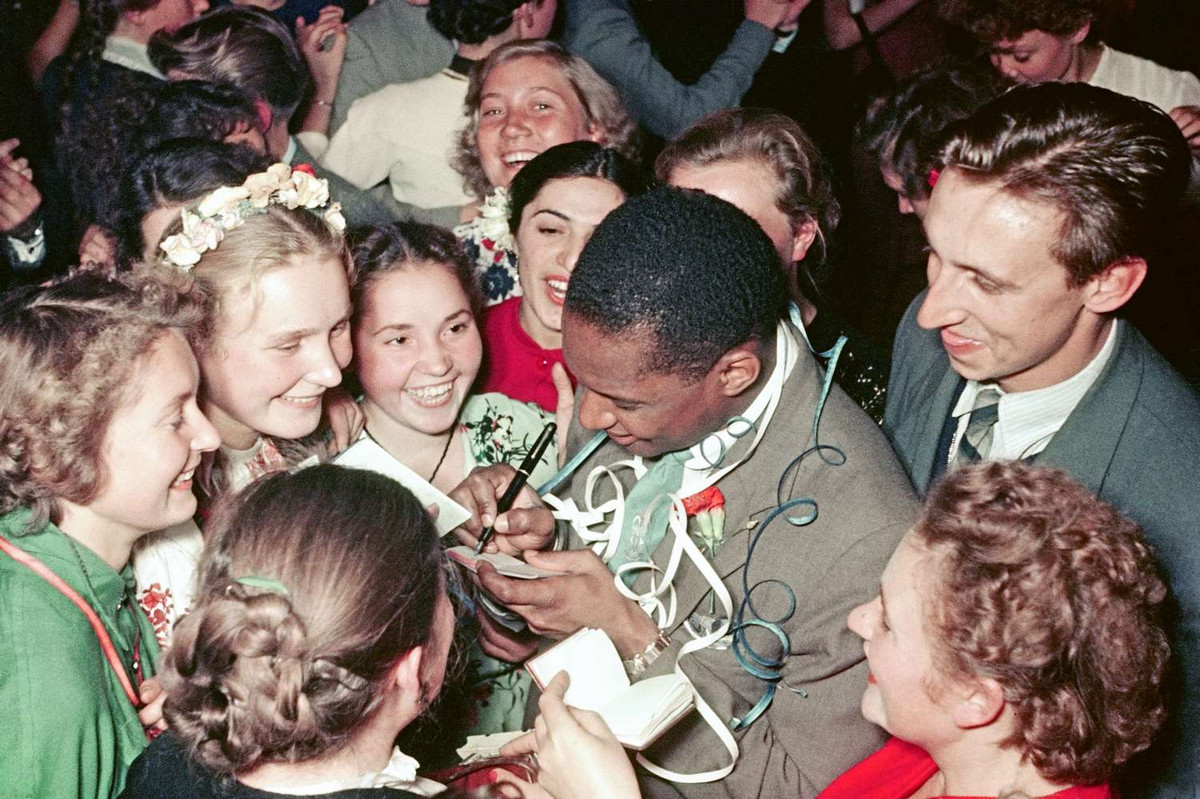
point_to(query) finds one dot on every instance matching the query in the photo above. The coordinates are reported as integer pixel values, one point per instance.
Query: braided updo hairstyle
(256, 675)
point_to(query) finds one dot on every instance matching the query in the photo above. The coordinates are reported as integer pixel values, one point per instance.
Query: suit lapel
(1087, 442)
(929, 413)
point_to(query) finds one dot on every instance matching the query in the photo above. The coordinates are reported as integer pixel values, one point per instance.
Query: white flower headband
(205, 225)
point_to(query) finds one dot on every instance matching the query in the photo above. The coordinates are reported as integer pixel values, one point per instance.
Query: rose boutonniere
(708, 507)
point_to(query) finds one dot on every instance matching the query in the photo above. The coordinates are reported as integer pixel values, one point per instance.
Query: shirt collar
(289, 155)
(129, 54)
(1029, 418)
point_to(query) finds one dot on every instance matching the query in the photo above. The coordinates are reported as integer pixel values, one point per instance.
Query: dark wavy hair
(1113, 167)
(381, 250)
(472, 21)
(578, 159)
(256, 676)
(176, 172)
(187, 109)
(903, 128)
(1055, 595)
(992, 21)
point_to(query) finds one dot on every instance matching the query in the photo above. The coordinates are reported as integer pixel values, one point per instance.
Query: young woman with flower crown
(268, 261)
(100, 435)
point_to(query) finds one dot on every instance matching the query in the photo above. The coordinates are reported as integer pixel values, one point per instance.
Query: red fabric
(515, 364)
(899, 769)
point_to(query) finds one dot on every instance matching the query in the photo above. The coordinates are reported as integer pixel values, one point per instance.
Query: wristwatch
(637, 665)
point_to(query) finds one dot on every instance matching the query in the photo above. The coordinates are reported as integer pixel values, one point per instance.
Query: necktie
(647, 510)
(981, 427)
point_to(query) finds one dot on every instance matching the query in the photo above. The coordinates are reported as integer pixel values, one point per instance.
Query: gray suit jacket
(1134, 439)
(389, 42)
(804, 740)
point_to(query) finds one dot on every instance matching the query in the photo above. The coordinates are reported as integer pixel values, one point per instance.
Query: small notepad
(366, 453)
(637, 714)
(506, 565)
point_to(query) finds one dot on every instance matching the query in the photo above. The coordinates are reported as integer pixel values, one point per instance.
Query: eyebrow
(979, 270)
(292, 335)
(175, 402)
(402, 326)
(552, 212)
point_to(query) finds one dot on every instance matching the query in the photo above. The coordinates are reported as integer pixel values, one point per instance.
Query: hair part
(689, 271)
(400, 246)
(1113, 168)
(804, 186)
(254, 676)
(69, 352)
(579, 159)
(602, 106)
(1055, 595)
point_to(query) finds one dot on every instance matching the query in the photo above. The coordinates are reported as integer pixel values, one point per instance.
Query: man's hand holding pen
(528, 526)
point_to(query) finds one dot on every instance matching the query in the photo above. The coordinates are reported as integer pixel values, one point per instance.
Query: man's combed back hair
(689, 270)
(472, 21)
(991, 21)
(1055, 595)
(241, 46)
(1113, 167)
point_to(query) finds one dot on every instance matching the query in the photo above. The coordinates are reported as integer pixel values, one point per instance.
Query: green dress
(502, 430)
(69, 729)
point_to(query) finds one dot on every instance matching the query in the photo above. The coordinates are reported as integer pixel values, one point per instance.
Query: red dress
(899, 769)
(514, 364)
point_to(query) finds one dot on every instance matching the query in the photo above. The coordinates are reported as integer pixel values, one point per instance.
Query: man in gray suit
(1046, 205)
(674, 325)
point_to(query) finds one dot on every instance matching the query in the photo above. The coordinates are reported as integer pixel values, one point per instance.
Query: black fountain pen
(523, 471)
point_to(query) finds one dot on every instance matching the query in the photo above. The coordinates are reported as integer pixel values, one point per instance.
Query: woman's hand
(578, 756)
(565, 410)
(153, 696)
(346, 419)
(324, 60)
(19, 198)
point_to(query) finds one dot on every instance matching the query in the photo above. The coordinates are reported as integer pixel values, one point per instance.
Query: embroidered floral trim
(492, 222)
(205, 224)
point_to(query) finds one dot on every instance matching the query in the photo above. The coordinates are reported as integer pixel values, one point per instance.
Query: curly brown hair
(991, 21)
(68, 353)
(346, 574)
(599, 99)
(1055, 595)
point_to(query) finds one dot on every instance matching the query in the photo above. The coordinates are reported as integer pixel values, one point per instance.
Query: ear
(980, 704)
(1080, 36)
(738, 369)
(802, 239)
(1115, 286)
(405, 674)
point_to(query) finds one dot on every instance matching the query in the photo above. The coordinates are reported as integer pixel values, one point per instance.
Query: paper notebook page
(590, 658)
(506, 565)
(367, 454)
(638, 711)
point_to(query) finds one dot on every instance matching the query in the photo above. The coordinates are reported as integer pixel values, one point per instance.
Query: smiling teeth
(519, 158)
(299, 400)
(558, 286)
(183, 478)
(430, 392)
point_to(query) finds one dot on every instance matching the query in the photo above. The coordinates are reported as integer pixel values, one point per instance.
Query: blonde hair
(602, 106)
(344, 576)
(68, 354)
(804, 190)
(273, 239)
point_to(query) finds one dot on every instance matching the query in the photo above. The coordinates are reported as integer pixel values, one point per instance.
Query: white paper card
(367, 454)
